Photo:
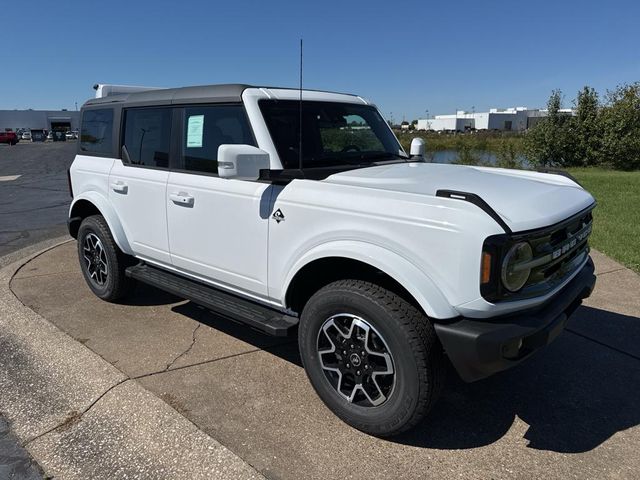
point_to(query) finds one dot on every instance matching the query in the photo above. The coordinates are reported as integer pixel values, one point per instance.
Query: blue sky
(407, 56)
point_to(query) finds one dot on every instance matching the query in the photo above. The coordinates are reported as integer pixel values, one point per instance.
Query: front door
(138, 184)
(218, 228)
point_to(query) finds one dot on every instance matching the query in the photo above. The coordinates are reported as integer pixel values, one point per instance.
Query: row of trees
(603, 132)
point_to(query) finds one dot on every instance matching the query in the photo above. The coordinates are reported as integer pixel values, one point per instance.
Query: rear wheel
(102, 262)
(372, 357)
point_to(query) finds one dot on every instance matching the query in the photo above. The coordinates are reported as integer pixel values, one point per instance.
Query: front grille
(558, 251)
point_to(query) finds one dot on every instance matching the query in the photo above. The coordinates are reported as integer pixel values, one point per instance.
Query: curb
(79, 416)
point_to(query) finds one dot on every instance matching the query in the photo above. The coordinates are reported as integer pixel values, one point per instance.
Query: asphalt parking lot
(570, 412)
(34, 195)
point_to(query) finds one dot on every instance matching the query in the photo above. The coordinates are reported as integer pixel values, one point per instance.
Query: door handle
(119, 187)
(182, 198)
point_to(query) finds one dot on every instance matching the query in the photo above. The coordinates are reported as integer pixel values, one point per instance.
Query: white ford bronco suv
(293, 210)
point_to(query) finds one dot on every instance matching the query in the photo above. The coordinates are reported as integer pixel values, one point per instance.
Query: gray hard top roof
(210, 93)
(223, 93)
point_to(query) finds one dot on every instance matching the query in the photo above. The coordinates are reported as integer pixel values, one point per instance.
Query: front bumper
(479, 348)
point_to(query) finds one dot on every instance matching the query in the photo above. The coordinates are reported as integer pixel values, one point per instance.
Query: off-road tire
(117, 284)
(412, 342)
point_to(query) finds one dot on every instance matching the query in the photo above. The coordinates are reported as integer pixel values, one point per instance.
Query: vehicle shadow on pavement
(574, 395)
(146, 296)
(240, 331)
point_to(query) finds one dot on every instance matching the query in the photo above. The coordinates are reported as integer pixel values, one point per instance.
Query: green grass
(616, 231)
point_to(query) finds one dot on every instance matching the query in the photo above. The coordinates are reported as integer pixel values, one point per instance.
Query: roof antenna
(300, 126)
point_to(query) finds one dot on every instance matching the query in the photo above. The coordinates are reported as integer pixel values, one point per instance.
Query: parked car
(71, 135)
(26, 136)
(50, 136)
(383, 263)
(9, 137)
(38, 135)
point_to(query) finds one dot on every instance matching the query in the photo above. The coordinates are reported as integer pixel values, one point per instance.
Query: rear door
(138, 183)
(217, 227)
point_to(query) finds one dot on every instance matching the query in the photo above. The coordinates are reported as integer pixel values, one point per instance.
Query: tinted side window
(147, 136)
(96, 131)
(206, 128)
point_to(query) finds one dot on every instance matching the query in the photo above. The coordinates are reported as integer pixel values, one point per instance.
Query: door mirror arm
(125, 154)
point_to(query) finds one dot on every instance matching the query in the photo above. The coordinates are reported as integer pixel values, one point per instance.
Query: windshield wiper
(353, 159)
(384, 155)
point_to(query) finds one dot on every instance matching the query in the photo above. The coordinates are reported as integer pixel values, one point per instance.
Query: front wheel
(372, 357)
(102, 262)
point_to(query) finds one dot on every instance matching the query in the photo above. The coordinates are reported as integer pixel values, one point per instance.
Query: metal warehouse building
(506, 119)
(39, 120)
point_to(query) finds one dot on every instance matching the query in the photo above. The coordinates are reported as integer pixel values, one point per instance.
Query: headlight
(514, 273)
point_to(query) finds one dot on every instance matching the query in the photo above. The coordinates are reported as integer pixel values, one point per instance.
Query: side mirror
(417, 149)
(241, 161)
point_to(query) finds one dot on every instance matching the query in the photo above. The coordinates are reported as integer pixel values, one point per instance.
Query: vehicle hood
(525, 200)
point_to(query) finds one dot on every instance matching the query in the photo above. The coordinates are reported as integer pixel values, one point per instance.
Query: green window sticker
(195, 126)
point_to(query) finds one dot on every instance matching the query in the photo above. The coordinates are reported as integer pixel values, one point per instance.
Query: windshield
(333, 134)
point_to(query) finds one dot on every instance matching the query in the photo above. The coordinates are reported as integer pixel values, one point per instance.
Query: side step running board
(255, 315)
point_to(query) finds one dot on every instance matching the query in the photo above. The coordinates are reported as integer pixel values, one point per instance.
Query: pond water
(451, 156)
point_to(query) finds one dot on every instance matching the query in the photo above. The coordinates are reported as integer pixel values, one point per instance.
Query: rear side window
(147, 136)
(206, 128)
(96, 131)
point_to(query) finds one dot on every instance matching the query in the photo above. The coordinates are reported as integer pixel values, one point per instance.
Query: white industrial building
(446, 123)
(505, 119)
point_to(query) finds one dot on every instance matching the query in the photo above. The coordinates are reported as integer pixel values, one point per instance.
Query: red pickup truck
(9, 137)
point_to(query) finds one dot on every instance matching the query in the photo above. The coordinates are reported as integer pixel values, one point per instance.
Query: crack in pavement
(31, 187)
(36, 208)
(74, 417)
(193, 342)
(602, 344)
(233, 355)
(45, 274)
(610, 271)
(17, 236)
(213, 360)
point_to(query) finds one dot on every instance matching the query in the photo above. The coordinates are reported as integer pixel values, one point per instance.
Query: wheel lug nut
(358, 372)
(344, 352)
(348, 366)
(352, 345)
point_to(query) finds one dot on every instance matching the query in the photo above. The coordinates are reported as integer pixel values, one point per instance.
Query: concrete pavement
(569, 412)
(80, 417)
